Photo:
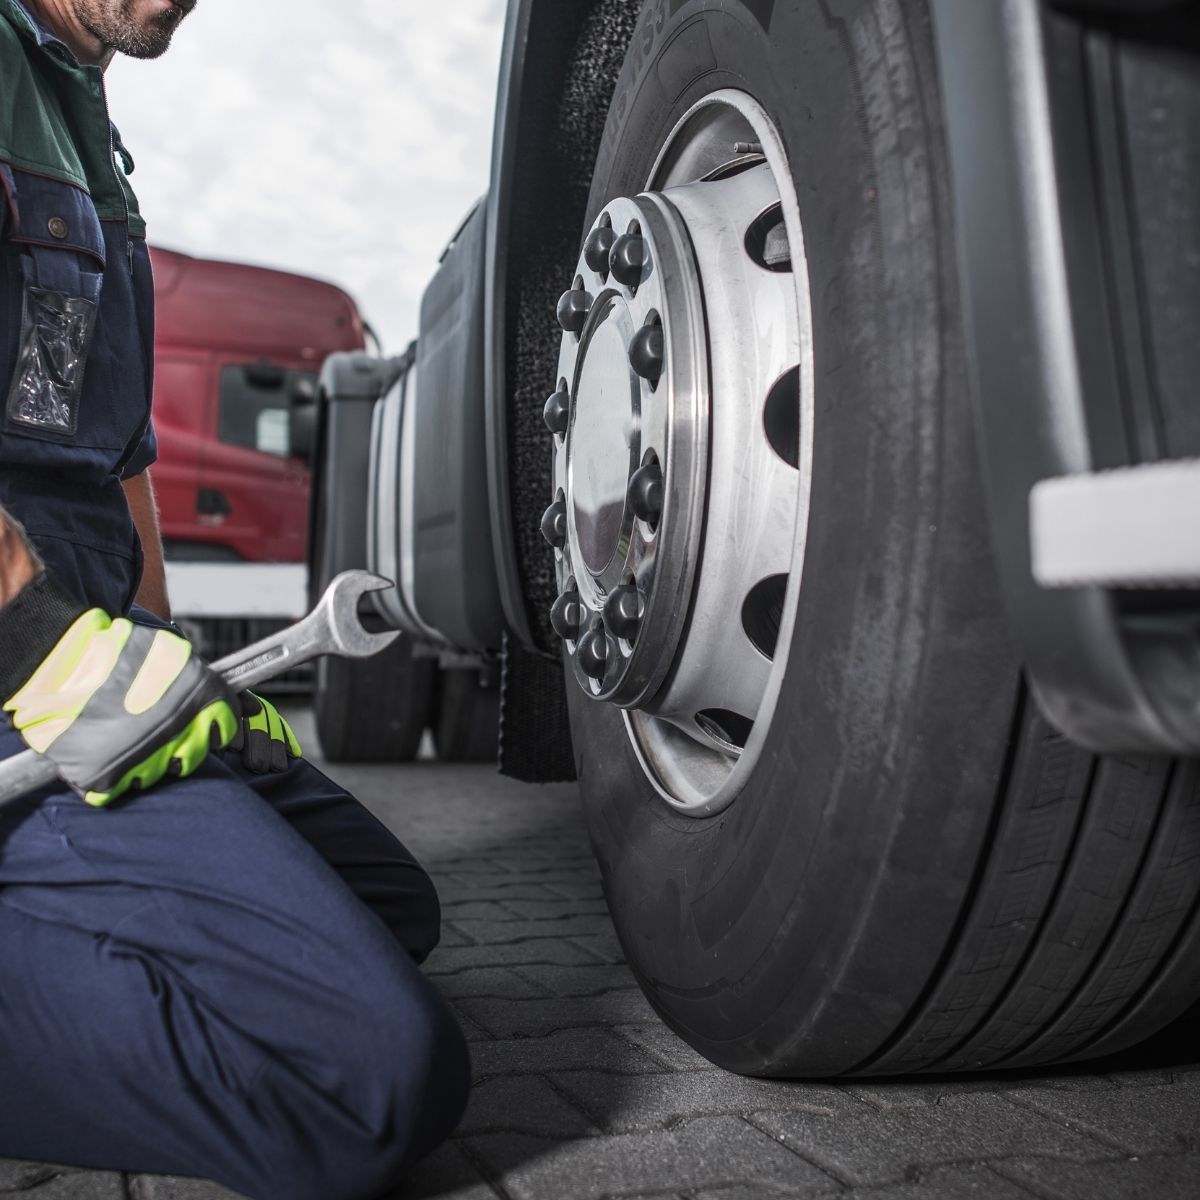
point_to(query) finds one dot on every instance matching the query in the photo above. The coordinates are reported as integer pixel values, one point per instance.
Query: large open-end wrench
(333, 627)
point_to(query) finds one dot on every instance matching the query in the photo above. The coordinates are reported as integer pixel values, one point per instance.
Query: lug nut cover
(598, 248)
(627, 259)
(646, 493)
(646, 352)
(592, 654)
(573, 308)
(554, 524)
(566, 615)
(623, 611)
(557, 413)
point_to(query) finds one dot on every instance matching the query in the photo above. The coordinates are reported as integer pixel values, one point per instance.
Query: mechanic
(216, 976)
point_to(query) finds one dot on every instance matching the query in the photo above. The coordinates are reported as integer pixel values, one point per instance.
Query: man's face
(139, 28)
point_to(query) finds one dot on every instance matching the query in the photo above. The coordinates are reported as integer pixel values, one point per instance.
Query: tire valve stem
(747, 147)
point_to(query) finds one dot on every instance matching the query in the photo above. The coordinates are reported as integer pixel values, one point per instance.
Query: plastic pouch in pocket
(56, 333)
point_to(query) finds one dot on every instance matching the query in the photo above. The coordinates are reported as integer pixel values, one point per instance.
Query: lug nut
(592, 653)
(598, 248)
(646, 352)
(573, 308)
(623, 611)
(646, 493)
(557, 413)
(554, 524)
(566, 615)
(627, 258)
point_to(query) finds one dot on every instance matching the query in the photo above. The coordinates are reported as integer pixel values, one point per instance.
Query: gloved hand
(265, 739)
(116, 705)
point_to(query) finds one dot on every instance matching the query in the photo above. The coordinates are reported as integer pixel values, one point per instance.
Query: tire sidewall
(794, 930)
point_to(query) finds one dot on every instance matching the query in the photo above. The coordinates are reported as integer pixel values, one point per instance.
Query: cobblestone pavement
(581, 1092)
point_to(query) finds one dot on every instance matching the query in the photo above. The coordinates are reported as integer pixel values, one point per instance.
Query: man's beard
(114, 24)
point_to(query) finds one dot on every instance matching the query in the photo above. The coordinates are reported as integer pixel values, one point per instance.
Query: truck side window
(256, 405)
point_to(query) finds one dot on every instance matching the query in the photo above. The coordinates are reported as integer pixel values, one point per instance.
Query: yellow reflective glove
(117, 706)
(264, 738)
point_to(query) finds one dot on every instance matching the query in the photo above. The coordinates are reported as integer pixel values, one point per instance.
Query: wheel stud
(554, 524)
(592, 654)
(623, 611)
(646, 353)
(627, 259)
(646, 493)
(557, 413)
(573, 308)
(566, 615)
(598, 248)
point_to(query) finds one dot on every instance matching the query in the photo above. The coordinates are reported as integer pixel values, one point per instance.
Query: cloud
(346, 146)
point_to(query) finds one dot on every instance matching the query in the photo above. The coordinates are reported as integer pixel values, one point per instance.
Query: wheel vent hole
(767, 241)
(729, 728)
(781, 417)
(762, 613)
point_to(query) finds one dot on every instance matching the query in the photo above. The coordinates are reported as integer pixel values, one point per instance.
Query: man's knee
(399, 1084)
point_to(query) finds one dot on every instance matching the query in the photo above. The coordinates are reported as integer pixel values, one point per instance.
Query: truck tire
(375, 709)
(891, 863)
(467, 728)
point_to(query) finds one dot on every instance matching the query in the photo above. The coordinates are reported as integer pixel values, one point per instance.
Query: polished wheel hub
(682, 439)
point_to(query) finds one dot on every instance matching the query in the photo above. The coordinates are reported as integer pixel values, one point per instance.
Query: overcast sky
(340, 140)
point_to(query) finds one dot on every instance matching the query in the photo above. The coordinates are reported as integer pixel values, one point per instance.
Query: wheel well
(560, 96)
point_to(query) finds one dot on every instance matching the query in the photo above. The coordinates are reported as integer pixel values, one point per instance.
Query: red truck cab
(238, 349)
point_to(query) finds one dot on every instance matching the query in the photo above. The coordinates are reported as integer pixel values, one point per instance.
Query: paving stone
(497, 932)
(44, 1182)
(451, 937)
(497, 982)
(447, 960)
(603, 946)
(1154, 1120)
(870, 1146)
(532, 1018)
(578, 889)
(629, 1104)
(446, 1174)
(478, 910)
(169, 1187)
(668, 1047)
(708, 1152)
(940, 1183)
(541, 909)
(593, 1048)
(517, 890)
(915, 1093)
(1162, 1178)
(494, 878)
(472, 1031)
(581, 981)
(523, 1104)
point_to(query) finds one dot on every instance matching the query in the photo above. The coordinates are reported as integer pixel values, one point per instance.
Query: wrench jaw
(340, 616)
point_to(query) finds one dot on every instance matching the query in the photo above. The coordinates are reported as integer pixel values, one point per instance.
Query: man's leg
(372, 862)
(187, 986)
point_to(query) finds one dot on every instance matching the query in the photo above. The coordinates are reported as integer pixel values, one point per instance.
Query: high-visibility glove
(265, 739)
(115, 705)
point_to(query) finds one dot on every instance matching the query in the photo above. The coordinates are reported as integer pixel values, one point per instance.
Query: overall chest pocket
(54, 264)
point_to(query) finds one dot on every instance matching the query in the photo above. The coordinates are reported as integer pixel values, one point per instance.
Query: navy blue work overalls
(217, 978)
